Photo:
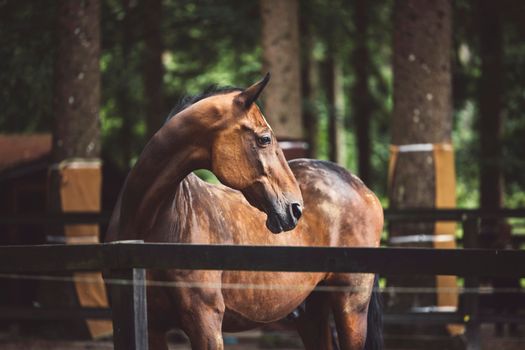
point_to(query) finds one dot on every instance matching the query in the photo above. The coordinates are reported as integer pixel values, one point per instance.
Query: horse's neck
(166, 160)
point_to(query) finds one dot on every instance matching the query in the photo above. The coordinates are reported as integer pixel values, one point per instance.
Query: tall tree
(75, 176)
(421, 124)
(77, 81)
(123, 90)
(280, 43)
(361, 99)
(333, 86)
(153, 69)
(490, 104)
(310, 121)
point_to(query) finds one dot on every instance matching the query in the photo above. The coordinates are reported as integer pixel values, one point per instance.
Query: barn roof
(19, 151)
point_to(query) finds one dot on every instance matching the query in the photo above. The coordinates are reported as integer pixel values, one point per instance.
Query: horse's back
(338, 203)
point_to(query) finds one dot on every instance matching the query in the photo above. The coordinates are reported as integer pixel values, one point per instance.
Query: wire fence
(129, 261)
(482, 290)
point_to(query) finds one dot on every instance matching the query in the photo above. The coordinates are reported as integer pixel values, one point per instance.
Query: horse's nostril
(296, 210)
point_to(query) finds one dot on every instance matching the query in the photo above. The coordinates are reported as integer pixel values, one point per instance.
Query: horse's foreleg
(201, 320)
(198, 311)
(313, 323)
(350, 315)
(204, 329)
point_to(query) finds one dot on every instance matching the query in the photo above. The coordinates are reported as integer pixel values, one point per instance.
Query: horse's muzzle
(285, 220)
(283, 212)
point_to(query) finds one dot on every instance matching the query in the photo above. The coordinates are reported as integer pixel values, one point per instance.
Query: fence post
(471, 307)
(129, 307)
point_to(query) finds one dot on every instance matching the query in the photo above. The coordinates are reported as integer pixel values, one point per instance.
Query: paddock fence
(126, 263)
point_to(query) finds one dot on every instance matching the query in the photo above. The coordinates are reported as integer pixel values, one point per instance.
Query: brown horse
(163, 202)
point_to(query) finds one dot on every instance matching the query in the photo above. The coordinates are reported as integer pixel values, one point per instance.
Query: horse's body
(338, 211)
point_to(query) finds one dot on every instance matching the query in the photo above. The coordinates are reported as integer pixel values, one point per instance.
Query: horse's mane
(187, 101)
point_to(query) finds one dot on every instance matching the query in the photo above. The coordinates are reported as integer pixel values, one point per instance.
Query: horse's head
(246, 156)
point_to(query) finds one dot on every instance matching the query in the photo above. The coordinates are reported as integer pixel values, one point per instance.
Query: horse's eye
(264, 140)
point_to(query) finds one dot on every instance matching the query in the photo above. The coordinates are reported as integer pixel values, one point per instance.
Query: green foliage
(514, 113)
(207, 176)
(26, 65)
(465, 141)
(218, 42)
(334, 23)
(466, 78)
(210, 42)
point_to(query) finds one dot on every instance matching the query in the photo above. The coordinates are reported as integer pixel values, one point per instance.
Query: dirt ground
(254, 340)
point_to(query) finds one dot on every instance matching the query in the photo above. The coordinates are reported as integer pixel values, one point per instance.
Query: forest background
(219, 42)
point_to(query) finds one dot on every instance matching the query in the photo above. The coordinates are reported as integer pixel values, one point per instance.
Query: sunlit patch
(219, 341)
(264, 118)
(267, 125)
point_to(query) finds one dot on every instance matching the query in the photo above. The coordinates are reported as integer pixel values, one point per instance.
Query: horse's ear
(250, 95)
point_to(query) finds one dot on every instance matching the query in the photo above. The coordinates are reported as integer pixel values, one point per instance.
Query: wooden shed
(24, 164)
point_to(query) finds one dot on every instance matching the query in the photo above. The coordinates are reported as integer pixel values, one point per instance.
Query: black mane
(187, 101)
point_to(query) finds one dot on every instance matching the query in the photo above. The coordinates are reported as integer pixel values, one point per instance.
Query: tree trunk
(490, 108)
(334, 100)
(422, 115)
(310, 123)
(75, 176)
(153, 69)
(123, 95)
(77, 81)
(280, 43)
(361, 93)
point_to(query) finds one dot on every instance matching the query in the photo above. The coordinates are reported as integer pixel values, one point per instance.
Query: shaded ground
(245, 341)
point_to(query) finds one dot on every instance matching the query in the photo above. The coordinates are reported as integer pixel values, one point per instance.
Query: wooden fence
(129, 260)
